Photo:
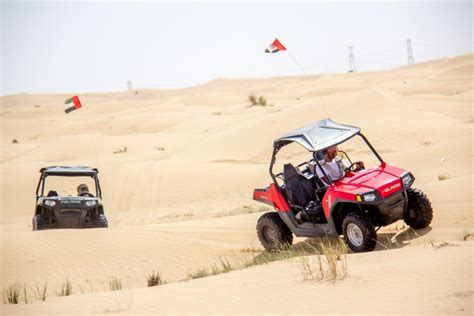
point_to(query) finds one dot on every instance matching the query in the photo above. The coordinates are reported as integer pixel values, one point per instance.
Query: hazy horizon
(97, 47)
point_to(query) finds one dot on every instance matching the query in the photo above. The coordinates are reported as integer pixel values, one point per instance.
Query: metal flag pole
(301, 68)
(304, 72)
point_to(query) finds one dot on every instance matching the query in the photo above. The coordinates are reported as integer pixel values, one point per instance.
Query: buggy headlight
(407, 180)
(91, 202)
(367, 197)
(50, 202)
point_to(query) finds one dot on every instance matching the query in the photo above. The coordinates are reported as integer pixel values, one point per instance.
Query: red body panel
(272, 196)
(384, 179)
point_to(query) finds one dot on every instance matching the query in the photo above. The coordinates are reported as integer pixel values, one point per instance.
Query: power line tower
(352, 64)
(411, 61)
(129, 85)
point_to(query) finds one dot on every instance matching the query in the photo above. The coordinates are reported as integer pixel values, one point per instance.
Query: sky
(59, 47)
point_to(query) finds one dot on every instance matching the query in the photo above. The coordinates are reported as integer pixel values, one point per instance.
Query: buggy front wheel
(359, 233)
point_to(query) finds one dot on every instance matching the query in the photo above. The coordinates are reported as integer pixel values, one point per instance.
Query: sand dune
(194, 157)
(279, 289)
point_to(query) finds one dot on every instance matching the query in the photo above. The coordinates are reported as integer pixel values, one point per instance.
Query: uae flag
(275, 47)
(76, 104)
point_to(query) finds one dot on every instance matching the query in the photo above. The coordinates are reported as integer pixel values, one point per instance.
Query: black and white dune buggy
(53, 210)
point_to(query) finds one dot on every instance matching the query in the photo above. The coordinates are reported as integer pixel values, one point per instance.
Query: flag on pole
(275, 47)
(75, 100)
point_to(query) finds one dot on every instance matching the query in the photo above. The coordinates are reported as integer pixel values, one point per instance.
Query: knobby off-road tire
(359, 233)
(38, 223)
(273, 233)
(101, 222)
(420, 205)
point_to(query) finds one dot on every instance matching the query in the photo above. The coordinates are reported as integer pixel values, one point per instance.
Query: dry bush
(252, 99)
(199, 273)
(121, 151)
(25, 295)
(11, 294)
(329, 264)
(440, 245)
(154, 279)
(249, 209)
(443, 176)
(115, 284)
(66, 289)
(41, 292)
(311, 271)
(226, 266)
(14, 141)
(467, 235)
(251, 249)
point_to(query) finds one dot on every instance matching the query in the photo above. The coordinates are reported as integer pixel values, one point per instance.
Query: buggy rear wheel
(273, 233)
(359, 233)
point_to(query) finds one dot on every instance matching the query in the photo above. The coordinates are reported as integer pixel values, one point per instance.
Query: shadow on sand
(385, 240)
(311, 246)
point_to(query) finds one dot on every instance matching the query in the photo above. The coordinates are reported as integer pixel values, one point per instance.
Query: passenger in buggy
(83, 190)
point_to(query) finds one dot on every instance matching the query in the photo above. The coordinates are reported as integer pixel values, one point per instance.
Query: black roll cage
(277, 147)
(44, 175)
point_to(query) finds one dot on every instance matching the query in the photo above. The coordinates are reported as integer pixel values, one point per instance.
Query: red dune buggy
(354, 205)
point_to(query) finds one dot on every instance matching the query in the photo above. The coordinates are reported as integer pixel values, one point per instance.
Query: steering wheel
(354, 167)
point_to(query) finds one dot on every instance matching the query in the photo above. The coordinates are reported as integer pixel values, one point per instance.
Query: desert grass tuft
(25, 295)
(329, 264)
(467, 235)
(41, 292)
(311, 271)
(121, 151)
(252, 99)
(262, 101)
(154, 279)
(336, 258)
(66, 289)
(249, 209)
(334, 253)
(250, 250)
(11, 294)
(115, 284)
(226, 266)
(197, 274)
(443, 176)
(439, 245)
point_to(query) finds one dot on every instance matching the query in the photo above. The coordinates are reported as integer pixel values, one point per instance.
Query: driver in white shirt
(333, 165)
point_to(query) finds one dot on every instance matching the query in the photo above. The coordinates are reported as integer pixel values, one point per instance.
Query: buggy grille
(70, 212)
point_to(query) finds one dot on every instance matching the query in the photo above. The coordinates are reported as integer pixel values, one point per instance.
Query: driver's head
(331, 152)
(82, 188)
